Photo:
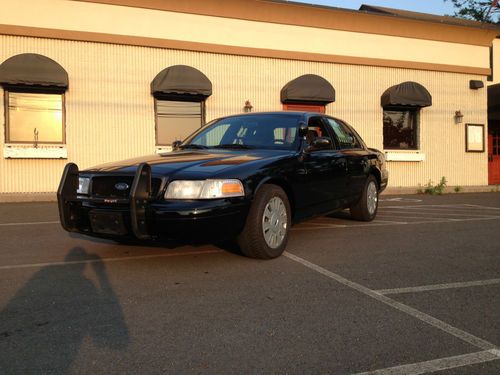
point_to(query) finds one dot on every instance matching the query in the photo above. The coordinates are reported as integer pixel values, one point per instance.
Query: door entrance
(494, 156)
(304, 107)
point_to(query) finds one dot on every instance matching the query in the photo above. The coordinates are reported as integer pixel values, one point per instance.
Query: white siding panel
(110, 111)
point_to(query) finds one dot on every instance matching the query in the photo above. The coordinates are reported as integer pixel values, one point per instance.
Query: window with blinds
(175, 120)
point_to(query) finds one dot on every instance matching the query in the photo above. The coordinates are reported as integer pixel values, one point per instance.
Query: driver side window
(315, 128)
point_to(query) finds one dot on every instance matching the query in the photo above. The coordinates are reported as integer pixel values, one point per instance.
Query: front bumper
(145, 217)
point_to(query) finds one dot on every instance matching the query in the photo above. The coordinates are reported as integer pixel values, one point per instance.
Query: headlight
(204, 189)
(83, 185)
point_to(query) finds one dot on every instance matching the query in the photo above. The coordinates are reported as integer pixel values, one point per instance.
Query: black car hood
(192, 162)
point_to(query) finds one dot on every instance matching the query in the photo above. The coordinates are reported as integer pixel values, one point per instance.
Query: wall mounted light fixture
(248, 106)
(459, 117)
(475, 84)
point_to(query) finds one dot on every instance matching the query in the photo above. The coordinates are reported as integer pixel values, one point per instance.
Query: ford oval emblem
(121, 186)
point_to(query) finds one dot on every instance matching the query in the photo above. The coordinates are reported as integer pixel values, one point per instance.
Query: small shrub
(457, 189)
(435, 189)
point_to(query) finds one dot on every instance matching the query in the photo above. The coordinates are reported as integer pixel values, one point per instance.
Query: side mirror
(302, 129)
(176, 144)
(320, 143)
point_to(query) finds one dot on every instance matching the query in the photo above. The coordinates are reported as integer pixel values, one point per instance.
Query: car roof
(283, 113)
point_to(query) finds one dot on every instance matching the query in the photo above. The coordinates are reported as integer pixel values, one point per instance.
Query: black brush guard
(140, 195)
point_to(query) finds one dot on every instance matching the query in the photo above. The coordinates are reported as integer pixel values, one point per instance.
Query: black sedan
(244, 177)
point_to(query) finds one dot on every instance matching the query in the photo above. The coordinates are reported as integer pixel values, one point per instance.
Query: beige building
(96, 81)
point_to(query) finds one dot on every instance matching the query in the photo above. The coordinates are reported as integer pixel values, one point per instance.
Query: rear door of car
(355, 154)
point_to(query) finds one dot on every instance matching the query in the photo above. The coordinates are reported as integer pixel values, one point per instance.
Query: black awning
(181, 80)
(406, 94)
(308, 88)
(494, 102)
(33, 70)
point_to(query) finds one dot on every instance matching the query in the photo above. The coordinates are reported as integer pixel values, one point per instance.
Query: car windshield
(268, 131)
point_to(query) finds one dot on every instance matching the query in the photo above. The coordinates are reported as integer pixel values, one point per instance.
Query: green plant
(457, 189)
(435, 189)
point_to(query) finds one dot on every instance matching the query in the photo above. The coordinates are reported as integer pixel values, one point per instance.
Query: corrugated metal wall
(110, 111)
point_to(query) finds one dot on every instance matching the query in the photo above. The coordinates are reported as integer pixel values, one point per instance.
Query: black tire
(268, 209)
(366, 208)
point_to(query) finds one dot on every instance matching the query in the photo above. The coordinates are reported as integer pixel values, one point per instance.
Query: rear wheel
(265, 234)
(366, 208)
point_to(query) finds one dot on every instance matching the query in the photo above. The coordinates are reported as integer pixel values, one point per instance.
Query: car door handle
(302, 171)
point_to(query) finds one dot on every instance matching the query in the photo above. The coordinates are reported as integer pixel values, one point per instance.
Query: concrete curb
(448, 190)
(27, 197)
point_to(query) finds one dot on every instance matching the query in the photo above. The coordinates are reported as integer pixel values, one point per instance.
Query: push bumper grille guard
(140, 195)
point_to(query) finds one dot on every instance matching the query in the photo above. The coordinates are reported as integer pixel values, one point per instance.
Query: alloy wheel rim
(372, 197)
(274, 222)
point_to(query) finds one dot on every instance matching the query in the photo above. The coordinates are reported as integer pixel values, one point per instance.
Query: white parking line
(424, 288)
(302, 226)
(326, 225)
(437, 207)
(389, 221)
(445, 327)
(475, 206)
(439, 364)
(29, 223)
(399, 200)
(461, 205)
(106, 260)
(409, 217)
(431, 212)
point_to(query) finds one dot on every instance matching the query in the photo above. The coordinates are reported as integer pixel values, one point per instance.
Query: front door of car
(322, 173)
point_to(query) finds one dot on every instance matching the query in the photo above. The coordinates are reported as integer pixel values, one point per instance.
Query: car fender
(282, 183)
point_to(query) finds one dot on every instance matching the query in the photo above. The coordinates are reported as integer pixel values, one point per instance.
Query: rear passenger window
(345, 136)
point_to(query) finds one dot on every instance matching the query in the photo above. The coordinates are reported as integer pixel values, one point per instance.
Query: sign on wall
(474, 138)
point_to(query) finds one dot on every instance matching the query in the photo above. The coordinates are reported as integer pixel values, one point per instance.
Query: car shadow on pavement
(43, 326)
(228, 245)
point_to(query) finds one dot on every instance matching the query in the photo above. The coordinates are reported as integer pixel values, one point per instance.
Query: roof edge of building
(320, 16)
(85, 36)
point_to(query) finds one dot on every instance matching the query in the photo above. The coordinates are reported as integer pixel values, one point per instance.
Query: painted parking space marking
(459, 205)
(447, 207)
(440, 212)
(425, 288)
(439, 324)
(406, 215)
(475, 206)
(400, 200)
(411, 217)
(29, 223)
(107, 260)
(304, 227)
(439, 364)
(389, 221)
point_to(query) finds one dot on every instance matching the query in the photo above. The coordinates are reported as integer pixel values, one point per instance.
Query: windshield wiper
(192, 145)
(235, 146)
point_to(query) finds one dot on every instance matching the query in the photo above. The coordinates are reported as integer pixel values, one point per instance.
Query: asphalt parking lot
(416, 291)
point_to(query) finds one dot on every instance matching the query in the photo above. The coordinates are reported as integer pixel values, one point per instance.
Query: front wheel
(366, 207)
(266, 230)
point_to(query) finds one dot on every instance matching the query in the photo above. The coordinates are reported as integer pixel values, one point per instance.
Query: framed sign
(474, 138)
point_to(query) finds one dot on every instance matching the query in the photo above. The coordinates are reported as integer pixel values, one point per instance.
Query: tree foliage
(477, 10)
